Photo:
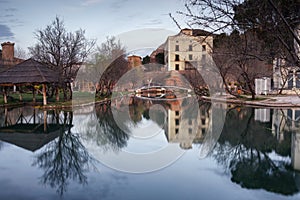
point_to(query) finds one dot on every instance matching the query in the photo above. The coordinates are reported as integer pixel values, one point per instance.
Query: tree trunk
(70, 90)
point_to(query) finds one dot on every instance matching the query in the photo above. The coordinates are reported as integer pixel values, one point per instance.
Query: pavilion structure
(28, 72)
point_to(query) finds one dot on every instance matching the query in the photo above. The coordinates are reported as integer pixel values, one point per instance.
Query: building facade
(187, 49)
(285, 75)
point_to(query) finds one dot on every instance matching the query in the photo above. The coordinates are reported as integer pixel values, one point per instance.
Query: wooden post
(20, 96)
(5, 94)
(45, 120)
(34, 121)
(33, 94)
(44, 94)
(6, 116)
(57, 94)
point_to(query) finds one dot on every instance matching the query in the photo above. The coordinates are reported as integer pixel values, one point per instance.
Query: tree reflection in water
(104, 131)
(244, 149)
(65, 159)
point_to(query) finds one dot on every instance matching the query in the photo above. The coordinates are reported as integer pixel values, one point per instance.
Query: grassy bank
(27, 98)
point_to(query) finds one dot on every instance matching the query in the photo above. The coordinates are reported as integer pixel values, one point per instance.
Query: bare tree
(20, 53)
(63, 51)
(108, 65)
(240, 57)
(277, 21)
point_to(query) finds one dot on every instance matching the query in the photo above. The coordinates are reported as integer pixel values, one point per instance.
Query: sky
(137, 23)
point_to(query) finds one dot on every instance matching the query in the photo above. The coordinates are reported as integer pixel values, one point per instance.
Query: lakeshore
(271, 101)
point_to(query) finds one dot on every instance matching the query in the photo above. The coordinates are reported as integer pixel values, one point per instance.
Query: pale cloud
(91, 2)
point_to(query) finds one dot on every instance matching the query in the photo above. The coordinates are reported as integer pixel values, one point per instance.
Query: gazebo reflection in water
(31, 128)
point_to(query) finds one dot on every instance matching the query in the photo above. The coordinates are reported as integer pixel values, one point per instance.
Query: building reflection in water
(182, 120)
(288, 121)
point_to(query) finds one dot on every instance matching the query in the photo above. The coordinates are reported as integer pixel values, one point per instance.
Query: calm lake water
(139, 148)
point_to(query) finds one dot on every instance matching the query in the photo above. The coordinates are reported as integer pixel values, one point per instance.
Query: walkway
(267, 101)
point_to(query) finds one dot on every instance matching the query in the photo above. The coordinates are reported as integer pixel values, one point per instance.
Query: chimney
(134, 61)
(8, 52)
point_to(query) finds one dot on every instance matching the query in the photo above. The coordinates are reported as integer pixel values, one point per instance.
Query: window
(203, 47)
(190, 57)
(203, 58)
(176, 131)
(176, 57)
(176, 121)
(203, 121)
(176, 66)
(190, 131)
(190, 47)
(177, 113)
(176, 47)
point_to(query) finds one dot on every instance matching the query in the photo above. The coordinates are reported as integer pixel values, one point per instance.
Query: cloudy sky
(138, 19)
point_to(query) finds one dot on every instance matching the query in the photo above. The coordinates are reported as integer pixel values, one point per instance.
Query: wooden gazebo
(28, 72)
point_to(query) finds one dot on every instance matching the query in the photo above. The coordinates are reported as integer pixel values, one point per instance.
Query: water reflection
(256, 155)
(60, 153)
(258, 148)
(64, 160)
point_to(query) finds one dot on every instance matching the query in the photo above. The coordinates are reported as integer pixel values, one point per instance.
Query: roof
(196, 32)
(28, 71)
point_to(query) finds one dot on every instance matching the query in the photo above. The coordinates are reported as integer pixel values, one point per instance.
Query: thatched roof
(28, 71)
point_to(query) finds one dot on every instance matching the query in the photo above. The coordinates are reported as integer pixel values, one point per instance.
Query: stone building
(187, 47)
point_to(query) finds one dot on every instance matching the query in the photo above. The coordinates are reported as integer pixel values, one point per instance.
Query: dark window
(203, 121)
(176, 121)
(177, 113)
(190, 57)
(297, 115)
(176, 57)
(290, 80)
(203, 60)
(176, 66)
(298, 79)
(290, 114)
(203, 47)
(176, 131)
(176, 47)
(190, 47)
(190, 131)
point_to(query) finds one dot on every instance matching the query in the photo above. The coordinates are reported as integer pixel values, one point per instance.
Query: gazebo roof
(27, 136)
(28, 71)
